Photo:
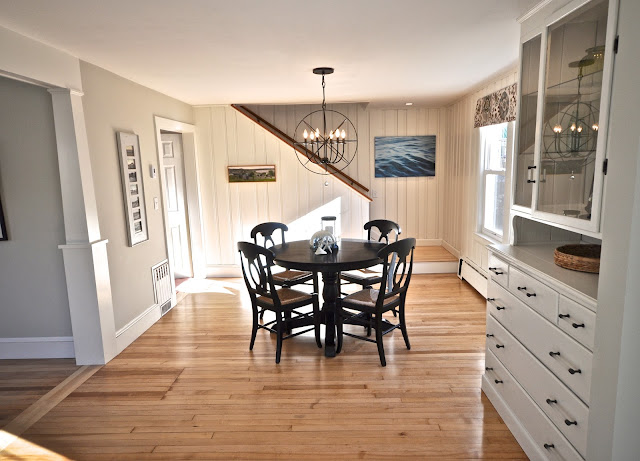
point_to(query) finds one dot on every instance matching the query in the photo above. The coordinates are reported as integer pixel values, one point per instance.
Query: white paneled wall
(298, 197)
(415, 203)
(461, 171)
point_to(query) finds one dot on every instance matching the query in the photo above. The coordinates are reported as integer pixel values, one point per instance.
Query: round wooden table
(353, 254)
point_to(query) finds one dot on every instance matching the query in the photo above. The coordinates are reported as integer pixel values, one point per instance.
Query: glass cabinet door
(573, 87)
(524, 153)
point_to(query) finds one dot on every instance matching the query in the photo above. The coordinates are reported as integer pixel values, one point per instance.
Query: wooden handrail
(284, 137)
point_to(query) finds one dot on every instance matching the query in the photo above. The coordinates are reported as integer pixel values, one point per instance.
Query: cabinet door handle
(550, 401)
(488, 368)
(522, 288)
(563, 316)
(500, 308)
(573, 372)
(529, 295)
(529, 181)
(498, 381)
(496, 271)
(491, 299)
(501, 346)
(554, 354)
(577, 325)
(489, 335)
(570, 423)
(549, 445)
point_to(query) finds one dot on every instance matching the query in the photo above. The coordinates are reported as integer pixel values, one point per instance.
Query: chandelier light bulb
(343, 134)
(557, 129)
(594, 127)
(573, 127)
(312, 136)
(580, 129)
(317, 132)
(331, 135)
(305, 135)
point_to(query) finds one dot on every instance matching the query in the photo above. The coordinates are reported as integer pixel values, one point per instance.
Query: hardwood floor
(22, 382)
(190, 389)
(433, 254)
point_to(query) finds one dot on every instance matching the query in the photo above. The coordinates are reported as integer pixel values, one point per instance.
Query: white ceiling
(262, 51)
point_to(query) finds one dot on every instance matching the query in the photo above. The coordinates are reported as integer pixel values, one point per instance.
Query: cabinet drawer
(567, 359)
(540, 429)
(561, 406)
(534, 293)
(499, 270)
(577, 321)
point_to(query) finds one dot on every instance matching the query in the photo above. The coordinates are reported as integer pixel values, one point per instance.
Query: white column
(85, 253)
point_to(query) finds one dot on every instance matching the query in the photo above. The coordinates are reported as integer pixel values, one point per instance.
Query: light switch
(156, 203)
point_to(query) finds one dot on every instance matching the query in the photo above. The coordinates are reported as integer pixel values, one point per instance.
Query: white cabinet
(539, 365)
(566, 64)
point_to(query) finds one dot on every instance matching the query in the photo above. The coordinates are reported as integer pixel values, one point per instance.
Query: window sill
(486, 239)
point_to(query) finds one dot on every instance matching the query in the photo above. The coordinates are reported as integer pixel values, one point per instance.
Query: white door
(174, 200)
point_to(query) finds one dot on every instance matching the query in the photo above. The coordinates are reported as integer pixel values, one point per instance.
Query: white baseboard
(60, 347)
(134, 329)
(450, 249)
(435, 267)
(225, 270)
(428, 242)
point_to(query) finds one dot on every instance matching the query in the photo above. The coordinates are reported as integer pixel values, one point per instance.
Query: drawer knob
(496, 271)
(549, 445)
(573, 372)
(570, 423)
(529, 295)
(501, 346)
(498, 381)
(491, 299)
(500, 308)
(489, 335)
(522, 288)
(564, 316)
(554, 354)
(577, 325)
(488, 368)
(550, 401)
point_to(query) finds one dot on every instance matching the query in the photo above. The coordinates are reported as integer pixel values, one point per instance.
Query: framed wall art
(132, 187)
(405, 156)
(252, 173)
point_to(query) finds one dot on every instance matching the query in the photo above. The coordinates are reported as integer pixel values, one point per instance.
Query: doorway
(177, 171)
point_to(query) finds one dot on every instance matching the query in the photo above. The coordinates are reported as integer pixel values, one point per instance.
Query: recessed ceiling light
(408, 104)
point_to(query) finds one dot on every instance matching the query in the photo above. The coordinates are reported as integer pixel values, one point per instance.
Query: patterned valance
(498, 107)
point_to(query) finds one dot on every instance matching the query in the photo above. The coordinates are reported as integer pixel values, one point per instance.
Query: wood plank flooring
(22, 382)
(432, 254)
(190, 389)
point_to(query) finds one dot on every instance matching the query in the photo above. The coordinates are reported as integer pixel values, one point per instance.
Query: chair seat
(291, 275)
(366, 299)
(362, 276)
(287, 296)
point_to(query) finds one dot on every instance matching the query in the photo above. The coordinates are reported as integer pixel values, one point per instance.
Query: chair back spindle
(256, 270)
(266, 230)
(384, 227)
(397, 267)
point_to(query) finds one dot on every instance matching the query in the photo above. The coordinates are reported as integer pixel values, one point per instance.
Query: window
(495, 144)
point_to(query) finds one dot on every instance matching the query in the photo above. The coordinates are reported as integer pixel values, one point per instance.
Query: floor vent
(162, 285)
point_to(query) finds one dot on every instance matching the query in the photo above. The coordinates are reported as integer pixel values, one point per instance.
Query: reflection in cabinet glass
(527, 122)
(573, 87)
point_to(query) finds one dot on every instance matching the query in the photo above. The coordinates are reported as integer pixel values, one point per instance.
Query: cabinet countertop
(539, 259)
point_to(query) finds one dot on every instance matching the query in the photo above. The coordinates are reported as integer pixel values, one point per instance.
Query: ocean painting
(405, 156)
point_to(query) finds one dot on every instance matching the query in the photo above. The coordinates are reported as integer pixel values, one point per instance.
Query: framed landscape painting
(252, 173)
(405, 156)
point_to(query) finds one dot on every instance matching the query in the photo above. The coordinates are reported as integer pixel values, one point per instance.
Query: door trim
(192, 192)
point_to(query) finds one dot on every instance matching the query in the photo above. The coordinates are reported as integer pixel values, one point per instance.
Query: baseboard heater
(473, 276)
(161, 277)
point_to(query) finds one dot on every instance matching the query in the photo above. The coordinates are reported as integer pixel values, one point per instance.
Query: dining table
(351, 254)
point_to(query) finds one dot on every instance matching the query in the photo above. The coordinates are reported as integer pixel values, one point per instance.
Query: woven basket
(583, 258)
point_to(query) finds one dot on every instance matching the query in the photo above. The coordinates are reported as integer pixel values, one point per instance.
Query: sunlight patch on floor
(13, 447)
(210, 286)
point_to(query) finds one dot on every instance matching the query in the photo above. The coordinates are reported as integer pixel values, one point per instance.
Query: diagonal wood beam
(284, 137)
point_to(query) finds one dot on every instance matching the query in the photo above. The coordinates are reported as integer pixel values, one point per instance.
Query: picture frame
(404, 156)
(131, 174)
(3, 226)
(251, 173)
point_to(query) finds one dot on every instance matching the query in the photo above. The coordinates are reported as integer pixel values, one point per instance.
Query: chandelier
(572, 134)
(325, 138)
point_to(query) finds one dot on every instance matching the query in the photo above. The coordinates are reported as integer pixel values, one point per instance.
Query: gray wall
(33, 291)
(112, 103)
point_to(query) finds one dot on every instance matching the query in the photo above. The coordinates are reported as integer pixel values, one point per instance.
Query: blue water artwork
(405, 156)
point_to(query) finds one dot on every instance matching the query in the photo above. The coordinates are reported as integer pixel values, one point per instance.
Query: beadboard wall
(461, 173)
(414, 203)
(298, 197)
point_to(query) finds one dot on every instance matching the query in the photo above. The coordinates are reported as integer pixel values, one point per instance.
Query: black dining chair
(366, 278)
(283, 278)
(257, 262)
(374, 303)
